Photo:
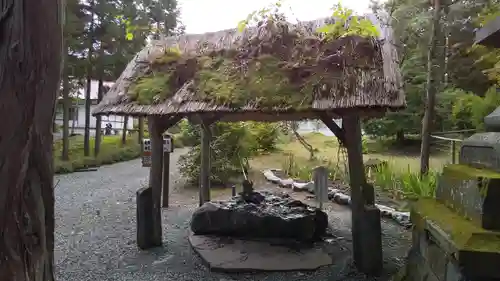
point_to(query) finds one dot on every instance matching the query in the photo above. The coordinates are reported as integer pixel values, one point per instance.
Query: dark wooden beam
(165, 124)
(206, 136)
(156, 176)
(141, 133)
(366, 229)
(336, 130)
(166, 180)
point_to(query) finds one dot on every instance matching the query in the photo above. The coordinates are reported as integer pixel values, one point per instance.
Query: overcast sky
(201, 16)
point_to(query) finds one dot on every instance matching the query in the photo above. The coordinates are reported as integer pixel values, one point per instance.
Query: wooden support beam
(366, 229)
(166, 180)
(206, 136)
(156, 176)
(166, 123)
(336, 130)
(141, 133)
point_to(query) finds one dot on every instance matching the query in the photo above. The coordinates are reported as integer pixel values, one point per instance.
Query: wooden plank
(366, 232)
(205, 163)
(166, 180)
(156, 176)
(141, 133)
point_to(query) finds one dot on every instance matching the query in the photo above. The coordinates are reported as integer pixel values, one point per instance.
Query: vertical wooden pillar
(366, 229)
(140, 135)
(166, 179)
(205, 163)
(156, 176)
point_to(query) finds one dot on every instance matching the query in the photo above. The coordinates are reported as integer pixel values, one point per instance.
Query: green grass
(112, 151)
(399, 178)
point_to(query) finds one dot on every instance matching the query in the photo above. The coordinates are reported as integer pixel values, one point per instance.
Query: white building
(77, 112)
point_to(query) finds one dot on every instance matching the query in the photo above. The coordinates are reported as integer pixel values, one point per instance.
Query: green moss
(266, 81)
(146, 89)
(171, 55)
(465, 234)
(282, 72)
(465, 172)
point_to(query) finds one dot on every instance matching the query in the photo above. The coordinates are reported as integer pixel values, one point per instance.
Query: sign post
(168, 147)
(320, 178)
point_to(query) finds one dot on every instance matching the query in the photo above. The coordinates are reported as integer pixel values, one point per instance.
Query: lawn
(398, 180)
(112, 151)
(327, 148)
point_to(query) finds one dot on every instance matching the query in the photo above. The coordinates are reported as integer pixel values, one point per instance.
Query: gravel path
(95, 234)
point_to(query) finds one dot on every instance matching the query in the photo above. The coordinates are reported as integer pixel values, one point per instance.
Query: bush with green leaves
(231, 145)
(112, 151)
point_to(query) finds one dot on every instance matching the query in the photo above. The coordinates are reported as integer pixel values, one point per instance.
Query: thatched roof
(376, 88)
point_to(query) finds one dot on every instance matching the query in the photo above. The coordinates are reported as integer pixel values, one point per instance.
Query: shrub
(232, 144)
(112, 151)
(405, 184)
(265, 136)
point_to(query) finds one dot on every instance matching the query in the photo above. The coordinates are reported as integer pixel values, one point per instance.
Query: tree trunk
(434, 77)
(294, 127)
(66, 106)
(75, 114)
(30, 63)
(86, 134)
(98, 135)
(124, 131)
(400, 137)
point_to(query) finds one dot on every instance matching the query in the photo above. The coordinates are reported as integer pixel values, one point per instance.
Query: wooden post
(124, 132)
(205, 163)
(453, 152)
(366, 229)
(156, 176)
(166, 179)
(141, 133)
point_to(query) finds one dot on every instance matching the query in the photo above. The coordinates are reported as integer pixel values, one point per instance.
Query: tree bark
(400, 137)
(30, 64)
(98, 119)
(434, 76)
(86, 134)
(66, 106)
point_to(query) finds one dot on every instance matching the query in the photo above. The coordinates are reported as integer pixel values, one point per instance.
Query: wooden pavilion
(367, 84)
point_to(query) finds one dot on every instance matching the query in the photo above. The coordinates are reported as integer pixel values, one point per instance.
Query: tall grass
(400, 183)
(405, 184)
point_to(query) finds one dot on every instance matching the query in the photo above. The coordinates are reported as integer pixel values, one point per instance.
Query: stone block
(436, 258)
(145, 238)
(473, 193)
(453, 272)
(477, 250)
(370, 241)
(481, 150)
(418, 269)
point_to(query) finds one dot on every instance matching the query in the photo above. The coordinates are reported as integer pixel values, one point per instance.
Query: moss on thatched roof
(276, 66)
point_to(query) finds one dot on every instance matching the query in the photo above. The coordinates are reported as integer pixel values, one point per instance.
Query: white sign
(168, 147)
(320, 178)
(168, 144)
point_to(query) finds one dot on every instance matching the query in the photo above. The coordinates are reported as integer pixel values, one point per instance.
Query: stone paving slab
(234, 255)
